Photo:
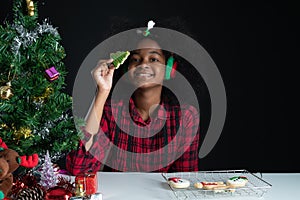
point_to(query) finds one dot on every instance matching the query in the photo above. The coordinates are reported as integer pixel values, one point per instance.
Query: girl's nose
(144, 65)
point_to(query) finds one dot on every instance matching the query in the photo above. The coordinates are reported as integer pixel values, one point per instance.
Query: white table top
(151, 186)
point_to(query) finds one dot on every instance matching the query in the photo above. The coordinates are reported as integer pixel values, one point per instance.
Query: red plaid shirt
(167, 142)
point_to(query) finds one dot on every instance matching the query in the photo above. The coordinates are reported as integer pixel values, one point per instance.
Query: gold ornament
(23, 132)
(6, 91)
(30, 7)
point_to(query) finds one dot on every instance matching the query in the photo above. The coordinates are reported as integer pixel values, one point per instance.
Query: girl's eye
(154, 60)
(134, 60)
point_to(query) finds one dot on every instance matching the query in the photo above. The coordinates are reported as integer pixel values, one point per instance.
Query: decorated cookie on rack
(177, 182)
(237, 181)
(214, 186)
(209, 185)
(198, 185)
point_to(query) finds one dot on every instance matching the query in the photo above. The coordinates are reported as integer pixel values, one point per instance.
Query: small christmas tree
(48, 177)
(35, 113)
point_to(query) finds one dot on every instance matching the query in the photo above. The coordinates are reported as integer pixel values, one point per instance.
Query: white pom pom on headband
(150, 25)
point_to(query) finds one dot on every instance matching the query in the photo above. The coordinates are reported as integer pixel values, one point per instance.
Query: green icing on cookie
(238, 177)
(119, 58)
(233, 178)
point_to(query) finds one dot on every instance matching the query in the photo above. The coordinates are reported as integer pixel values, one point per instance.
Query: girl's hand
(103, 74)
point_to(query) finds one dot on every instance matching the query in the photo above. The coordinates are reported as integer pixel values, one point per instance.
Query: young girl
(147, 132)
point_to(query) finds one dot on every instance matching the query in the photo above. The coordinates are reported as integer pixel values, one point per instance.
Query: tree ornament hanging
(30, 7)
(51, 73)
(6, 91)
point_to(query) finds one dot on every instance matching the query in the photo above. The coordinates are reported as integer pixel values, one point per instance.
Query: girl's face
(147, 65)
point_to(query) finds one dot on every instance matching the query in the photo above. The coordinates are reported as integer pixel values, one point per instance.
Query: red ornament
(58, 193)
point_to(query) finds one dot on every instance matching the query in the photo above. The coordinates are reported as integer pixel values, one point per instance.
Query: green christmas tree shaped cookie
(119, 58)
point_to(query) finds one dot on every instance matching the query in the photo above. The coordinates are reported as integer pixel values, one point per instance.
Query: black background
(254, 45)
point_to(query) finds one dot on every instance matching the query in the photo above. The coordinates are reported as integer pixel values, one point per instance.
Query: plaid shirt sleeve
(80, 161)
(189, 160)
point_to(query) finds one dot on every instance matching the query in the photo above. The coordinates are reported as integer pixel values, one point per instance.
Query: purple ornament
(52, 74)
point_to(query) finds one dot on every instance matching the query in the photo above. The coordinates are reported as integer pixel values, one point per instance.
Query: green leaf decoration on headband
(119, 58)
(146, 33)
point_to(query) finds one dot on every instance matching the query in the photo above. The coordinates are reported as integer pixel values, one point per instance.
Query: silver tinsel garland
(44, 132)
(26, 38)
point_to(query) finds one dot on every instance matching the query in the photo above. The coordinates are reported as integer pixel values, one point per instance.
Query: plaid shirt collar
(161, 112)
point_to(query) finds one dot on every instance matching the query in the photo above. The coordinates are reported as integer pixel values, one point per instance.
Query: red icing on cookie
(207, 183)
(174, 179)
